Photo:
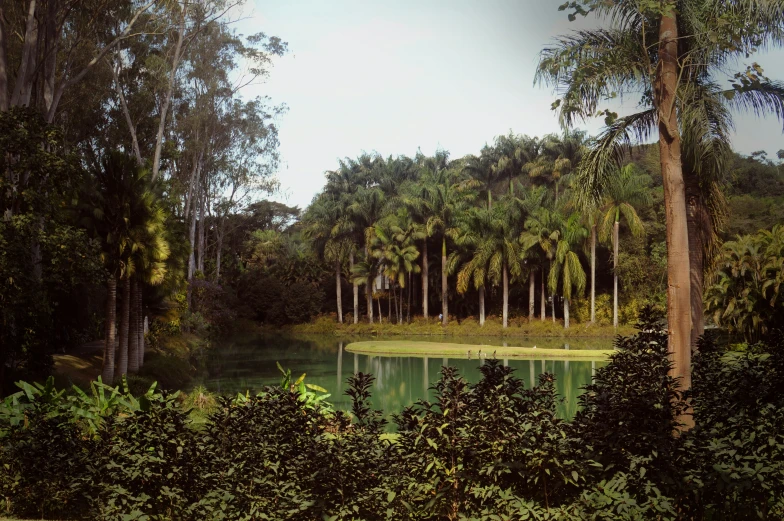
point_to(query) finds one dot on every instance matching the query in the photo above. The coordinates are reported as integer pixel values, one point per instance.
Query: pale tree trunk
(194, 181)
(355, 288)
(140, 313)
(3, 62)
(424, 278)
(128, 121)
(369, 290)
(51, 44)
(444, 286)
(678, 280)
(200, 258)
(531, 296)
(133, 328)
(696, 223)
(219, 232)
(125, 317)
(506, 294)
(543, 303)
(482, 305)
(566, 313)
(156, 160)
(107, 371)
(400, 308)
(554, 293)
(339, 291)
(616, 227)
(593, 274)
(408, 310)
(23, 86)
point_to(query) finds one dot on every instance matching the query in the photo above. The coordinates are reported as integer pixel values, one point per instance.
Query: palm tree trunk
(355, 288)
(616, 227)
(531, 295)
(554, 293)
(400, 316)
(107, 372)
(678, 280)
(125, 315)
(424, 278)
(566, 313)
(444, 286)
(339, 291)
(593, 274)
(481, 305)
(543, 302)
(369, 290)
(506, 294)
(408, 310)
(392, 296)
(133, 330)
(380, 314)
(695, 224)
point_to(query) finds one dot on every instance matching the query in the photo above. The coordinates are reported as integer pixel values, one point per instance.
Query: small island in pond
(444, 349)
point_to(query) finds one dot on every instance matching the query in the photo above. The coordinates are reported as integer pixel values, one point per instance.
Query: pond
(247, 362)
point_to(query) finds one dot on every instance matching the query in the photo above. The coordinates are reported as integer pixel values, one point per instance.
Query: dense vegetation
(491, 450)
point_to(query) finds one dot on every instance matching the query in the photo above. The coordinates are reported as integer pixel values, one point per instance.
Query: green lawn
(444, 349)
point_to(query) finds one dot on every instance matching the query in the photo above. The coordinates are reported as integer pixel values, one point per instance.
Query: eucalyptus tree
(566, 267)
(629, 189)
(652, 50)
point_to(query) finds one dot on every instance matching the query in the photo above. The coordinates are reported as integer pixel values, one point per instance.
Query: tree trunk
(696, 223)
(380, 314)
(593, 274)
(140, 312)
(107, 372)
(200, 257)
(444, 286)
(424, 278)
(23, 86)
(566, 313)
(543, 303)
(51, 43)
(219, 231)
(125, 318)
(554, 293)
(339, 291)
(616, 227)
(482, 305)
(156, 160)
(355, 288)
(128, 121)
(531, 295)
(410, 287)
(678, 283)
(369, 290)
(506, 295)
(3, 62)
(133, 328)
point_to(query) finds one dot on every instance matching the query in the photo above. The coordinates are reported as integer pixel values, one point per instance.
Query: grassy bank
(518, 327)
(445, 349)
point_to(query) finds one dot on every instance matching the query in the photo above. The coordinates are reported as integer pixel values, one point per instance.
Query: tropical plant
(567, 267)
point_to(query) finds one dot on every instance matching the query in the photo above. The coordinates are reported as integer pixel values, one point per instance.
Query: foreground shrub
(488, 451)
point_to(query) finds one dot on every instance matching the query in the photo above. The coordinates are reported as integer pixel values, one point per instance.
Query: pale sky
(397, 75)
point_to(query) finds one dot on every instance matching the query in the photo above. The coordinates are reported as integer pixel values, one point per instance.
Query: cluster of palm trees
(503, 217)
(123, 211)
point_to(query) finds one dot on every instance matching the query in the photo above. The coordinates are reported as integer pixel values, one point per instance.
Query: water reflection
(243, 363)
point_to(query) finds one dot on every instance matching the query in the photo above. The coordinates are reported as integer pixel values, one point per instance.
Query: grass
(444, 349)
(519, 327)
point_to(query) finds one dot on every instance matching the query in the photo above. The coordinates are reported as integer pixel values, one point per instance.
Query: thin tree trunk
(140, 313)
(531, 295)
(696, 227)
(51, 43)
(107, 371)
(133, 328)
(482, 305)
(424, 278)
(616, 227)
(678, 280)
(402, 311)
(543, 303)
(369, 290)
(444, 286)
(125, 318)
(126, 113)
(554, 293)
(3, 63)
(506, 295)
(593, 274)
(408, 311)
(566, 313)
(156, 160)
(200, 258)
(24, 76)
(355, 288)
(339, 291)
(219, 232)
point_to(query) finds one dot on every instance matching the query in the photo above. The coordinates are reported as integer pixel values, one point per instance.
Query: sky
(395, 76)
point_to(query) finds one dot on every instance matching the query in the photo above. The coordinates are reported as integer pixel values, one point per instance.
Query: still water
(247, 362)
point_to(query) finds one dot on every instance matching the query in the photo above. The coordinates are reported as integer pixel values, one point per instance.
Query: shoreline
(468, 351)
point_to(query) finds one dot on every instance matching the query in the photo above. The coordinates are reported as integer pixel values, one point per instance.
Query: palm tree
(655, 52)
(365, 210)
(481, 169)
(558, 157)
(397, 254)
(629, 189)
(567, 265)
(476, 233)
(542, 231)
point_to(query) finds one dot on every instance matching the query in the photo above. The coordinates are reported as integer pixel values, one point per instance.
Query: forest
(141, 212)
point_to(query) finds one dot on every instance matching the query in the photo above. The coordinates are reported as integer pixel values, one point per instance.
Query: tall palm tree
(653, 53)
(481, 169)
(567, 267)
(542, 231)
(397, 255)
(558, 157)
(477, 228)
(629, 189)
(365, 210)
